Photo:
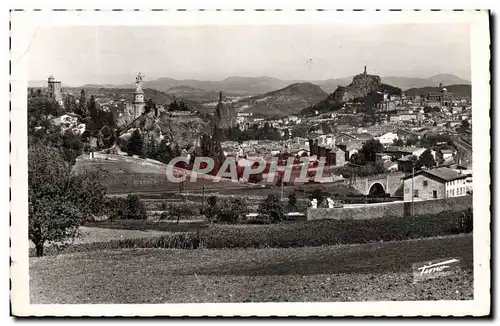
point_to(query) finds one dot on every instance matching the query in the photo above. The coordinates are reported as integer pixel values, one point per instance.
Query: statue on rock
(138, 81)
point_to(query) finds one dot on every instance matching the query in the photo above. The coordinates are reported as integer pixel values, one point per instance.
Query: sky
(115, 54)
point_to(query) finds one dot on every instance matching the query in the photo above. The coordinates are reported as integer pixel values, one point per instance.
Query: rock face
(225, 114)
(361, 86)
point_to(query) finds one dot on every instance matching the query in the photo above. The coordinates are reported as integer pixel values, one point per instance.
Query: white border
(23, 25)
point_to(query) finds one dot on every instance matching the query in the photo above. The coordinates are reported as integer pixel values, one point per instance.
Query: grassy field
(99, 234)
(376, 271)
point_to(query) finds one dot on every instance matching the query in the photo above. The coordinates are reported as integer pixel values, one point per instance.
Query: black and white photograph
(291, 158)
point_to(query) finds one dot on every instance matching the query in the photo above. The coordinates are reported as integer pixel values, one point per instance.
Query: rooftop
(444, 174)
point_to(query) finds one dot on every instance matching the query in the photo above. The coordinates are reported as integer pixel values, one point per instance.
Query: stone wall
(398, 209)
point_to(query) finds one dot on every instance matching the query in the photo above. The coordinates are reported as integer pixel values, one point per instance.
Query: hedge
(333, 232)
(299, 234)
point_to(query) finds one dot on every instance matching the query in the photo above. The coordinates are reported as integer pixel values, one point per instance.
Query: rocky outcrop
(361, 86)
(225, 114)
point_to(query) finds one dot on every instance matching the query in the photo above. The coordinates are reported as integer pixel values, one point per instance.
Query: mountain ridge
(258, 85)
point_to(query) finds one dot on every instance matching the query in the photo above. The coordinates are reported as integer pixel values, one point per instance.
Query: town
(424, 139)
(361, 163)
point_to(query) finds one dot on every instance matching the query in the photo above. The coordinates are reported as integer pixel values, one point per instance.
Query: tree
(358, 159)
(69, 103)
(70, 146)
(95, 123)
(318, 195)
(82, 105)
(272, 207)
(230, 210)
(398, 142)
(427, 159)
(292, 198)
(211, 210)
(465, 125)
(135, 144)
(58, 201)
(371, 148)
(150, 106)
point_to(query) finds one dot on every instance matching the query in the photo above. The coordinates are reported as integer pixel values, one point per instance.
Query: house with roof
(435, 184)
(364, 137)
(387, 138)
(447, 154)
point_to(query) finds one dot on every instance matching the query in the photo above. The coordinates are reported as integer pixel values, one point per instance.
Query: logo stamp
(435, 268)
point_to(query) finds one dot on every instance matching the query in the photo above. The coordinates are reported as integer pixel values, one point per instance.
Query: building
(447, 154)
(435, 184)
(388, 138)
(54, 90)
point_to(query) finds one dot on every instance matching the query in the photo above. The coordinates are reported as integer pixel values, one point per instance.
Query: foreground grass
(98, 234)
(375, 271)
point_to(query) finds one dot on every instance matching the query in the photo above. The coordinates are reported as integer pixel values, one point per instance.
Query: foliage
(41, 110)
(58, 201)
(135, 144)
(292, 198)
(317, 194)
(331, 232)
(398, 142)
(272, 207)
(371, 148)
(429, 109)
(180, 210)
(427, 159)
(466, 222)
(126, 208)
(82, 108)
(229, 210)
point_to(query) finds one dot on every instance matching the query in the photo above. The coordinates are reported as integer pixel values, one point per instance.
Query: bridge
(379, 184)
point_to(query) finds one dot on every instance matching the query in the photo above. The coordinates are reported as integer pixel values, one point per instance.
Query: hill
(409, 82)
(189, 93)
(234, 85)
(288, 100)
(363, 88)
(248, 86)
(461, 91)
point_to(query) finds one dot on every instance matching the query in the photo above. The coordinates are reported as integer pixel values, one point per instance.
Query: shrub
(230, 210)
(292, 199)
(272, 207)
(179, 210)
(129, 208)
(329, 232)
(211, 210)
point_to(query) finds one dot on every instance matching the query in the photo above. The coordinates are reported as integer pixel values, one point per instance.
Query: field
(99, 234)
(367, 272)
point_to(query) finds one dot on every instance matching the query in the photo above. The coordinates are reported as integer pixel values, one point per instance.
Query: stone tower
(54, 87)
(138, 103)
